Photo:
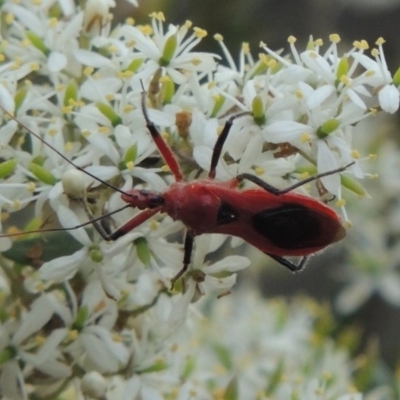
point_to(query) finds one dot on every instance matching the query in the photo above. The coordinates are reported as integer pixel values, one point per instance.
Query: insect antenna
(92, 221)
(10, 115)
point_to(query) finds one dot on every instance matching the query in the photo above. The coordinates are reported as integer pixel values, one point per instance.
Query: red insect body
(287, 225)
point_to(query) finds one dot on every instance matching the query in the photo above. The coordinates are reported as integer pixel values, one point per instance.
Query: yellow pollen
(340, 203)
(375, 52)
(196, 61)
(128, 108)
(73, 334)
(200, 33)
(146, 29)
(188, 24)
(52, 132)
(9, 18)
(53, 22)
(67, 109)
(334, 38)
(113, 49)
(304, 175)
(372, 157)
(31, 187)
(218, 37)
(373, 111)
(104, 129)
(165, 79)
(216, 97)
(370, 73)
(68, 146)
(129, 165)
(88, 71)
(361, 44)
(85, 133)
(34, 66)
(158, 16)
(110, 96)
(211, 84)
(131, 44)
(271, 63)
(165, 168)
(345, 80)
(40, 287)
(127, 74)
(2, 58)
(26, 43)
(37, 2)
(305, 137)
(246, 47)
(264, 58)
(40, 340)
(373, 176)
(116, 337)
(313, 54)
(12, 230)
(355, 154)
(348, 224)
(262, 44)
(165, 135)
(259, 170)
(17, 205)
(130, 21)
(154, 225)
(298, 94)
(291, 39)
(318, 42)
(380, 41)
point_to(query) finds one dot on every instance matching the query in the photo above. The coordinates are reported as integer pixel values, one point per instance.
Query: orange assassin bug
(276, 221)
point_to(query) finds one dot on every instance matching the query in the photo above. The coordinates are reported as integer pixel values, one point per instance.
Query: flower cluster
(75, 305)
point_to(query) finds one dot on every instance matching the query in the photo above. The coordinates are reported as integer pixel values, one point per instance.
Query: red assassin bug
(277, 222)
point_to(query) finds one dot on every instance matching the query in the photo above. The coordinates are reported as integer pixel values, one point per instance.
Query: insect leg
(162, 146)
(288, 264)
(272, 189)
(188, 249)
(220, 142)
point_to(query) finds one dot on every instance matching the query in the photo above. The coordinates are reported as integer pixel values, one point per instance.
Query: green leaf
(42, 248)
(42, 174)
(38, 43)
(109, 113)
(7, 167)
(143, 250)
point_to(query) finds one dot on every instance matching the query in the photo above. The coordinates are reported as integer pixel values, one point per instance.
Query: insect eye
(226, 214)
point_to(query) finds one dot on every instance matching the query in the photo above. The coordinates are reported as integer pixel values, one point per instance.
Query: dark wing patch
(292, 226)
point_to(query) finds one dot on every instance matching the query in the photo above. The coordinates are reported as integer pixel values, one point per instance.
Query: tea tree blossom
(91, 317)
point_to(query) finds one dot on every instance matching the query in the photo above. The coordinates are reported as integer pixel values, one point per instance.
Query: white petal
(6, 101)
(68, 219)
(56, 61)
(39, 314)
(389, 98)
(285, 131)
(326, 161)
(390, 289)
(63, 268)
(319, 96)
(353, 297)
(230, 264)
(91, 58)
